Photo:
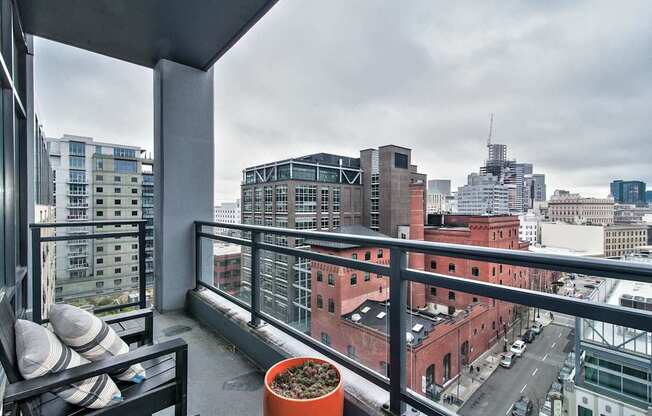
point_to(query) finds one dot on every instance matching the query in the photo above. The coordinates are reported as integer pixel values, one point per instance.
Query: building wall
(227, 269)
(574, 209)
(588, 239)
(624, 239)
(96, 183)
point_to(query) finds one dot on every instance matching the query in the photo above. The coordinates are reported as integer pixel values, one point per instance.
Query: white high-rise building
(528, 229)
(95, 181)
(483, 195)
(228, 212)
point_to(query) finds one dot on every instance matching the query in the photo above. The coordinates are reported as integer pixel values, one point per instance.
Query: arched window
(447, 368)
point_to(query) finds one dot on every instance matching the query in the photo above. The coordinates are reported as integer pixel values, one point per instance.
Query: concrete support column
(183, 175)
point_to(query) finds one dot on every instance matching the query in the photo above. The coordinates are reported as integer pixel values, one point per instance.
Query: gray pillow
(40, 352)
(91, 337)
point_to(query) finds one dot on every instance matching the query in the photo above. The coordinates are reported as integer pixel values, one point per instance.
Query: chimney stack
(417, 291)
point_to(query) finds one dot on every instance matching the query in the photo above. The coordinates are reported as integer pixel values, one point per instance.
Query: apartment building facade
(575, 209)
(95, 181)
(622, 239)
(148, 215)
(629, 192)
(483, 194)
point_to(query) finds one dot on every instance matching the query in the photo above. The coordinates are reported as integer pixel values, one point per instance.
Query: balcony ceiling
(191, 32)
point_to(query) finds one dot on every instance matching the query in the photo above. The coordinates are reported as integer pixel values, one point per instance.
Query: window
(117, 202)
(134, 190)
(336, 201)
(475, 271)
(99, 178)
(122, 152)
(117, 270)
(134, 202)
(583, 411)
(324, 199)
(117, 259)
(303, 172)
(99, 285)
(320, 276)
(134, 179)
(77, 148)
(117, 190)
(451, 267)
(451, 295)
(99, 214)
(134, 268)
(134, 213)
(325, 338)
(99, 260)
(354, 256)
(433, 291)
(100, 273)
(117, 179)
(99, 189)
(354, 279)
(379, 254)
(117, 248)
(331, 279)
(281, 198)
(99, 249)
(117, 213)
(99, 201)
(367, 276)
(305, 198)
(331, 305)
(117, 282)
(367, 255)
(433, 264)
(400, 161)
(134, 246)
(320, 302)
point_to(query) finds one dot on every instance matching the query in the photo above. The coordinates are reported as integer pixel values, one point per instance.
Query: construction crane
(491, 128)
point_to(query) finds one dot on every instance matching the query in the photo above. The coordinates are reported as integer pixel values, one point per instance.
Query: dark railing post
(142, 292)
(37, 314)
(198, 254)
(255, 279)
(397, 343)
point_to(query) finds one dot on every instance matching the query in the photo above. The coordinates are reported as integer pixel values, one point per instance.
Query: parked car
(529, 336)
(537, 328)
(518, 348)
(507, 359)
(564, 373)
(522, 407)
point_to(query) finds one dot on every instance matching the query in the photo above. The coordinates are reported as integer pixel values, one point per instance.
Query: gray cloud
(570, 84)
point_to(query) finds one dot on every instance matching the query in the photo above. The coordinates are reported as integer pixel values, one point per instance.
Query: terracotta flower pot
(331, 404)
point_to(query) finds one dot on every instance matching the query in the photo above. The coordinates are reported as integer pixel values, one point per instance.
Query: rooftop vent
(409, 338)
(417, 328)
(356, 317)
(365, 309)
(381, 315)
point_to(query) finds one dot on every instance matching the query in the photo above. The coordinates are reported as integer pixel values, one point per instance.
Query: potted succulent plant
(303, 386)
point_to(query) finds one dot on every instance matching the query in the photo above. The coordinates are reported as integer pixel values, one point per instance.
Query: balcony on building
(231, 338)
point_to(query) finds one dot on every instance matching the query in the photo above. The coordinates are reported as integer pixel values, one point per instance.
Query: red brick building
(226, 268)
(447, 329)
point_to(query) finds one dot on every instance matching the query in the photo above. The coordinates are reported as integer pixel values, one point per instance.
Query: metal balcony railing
(38, 239)
(399, 276)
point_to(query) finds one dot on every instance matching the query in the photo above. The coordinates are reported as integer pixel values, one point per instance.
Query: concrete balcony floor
(221, 381)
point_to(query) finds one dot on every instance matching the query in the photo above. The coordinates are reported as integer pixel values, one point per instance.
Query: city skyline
(574, 114)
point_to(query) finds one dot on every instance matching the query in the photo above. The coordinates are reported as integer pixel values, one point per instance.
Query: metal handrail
(38, 239)
(399, 275)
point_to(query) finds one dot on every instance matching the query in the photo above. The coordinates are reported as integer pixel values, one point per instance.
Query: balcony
(217, 318)
(239, 324)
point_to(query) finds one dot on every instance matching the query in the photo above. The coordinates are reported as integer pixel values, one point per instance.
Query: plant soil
(306, 381)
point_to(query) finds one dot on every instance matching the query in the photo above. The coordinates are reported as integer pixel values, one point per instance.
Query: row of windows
(116, 259)
(100, 189)
(118, 247)
(117, 270)
(115, 213)
(353, 279)
(116, 201)
(134, 179)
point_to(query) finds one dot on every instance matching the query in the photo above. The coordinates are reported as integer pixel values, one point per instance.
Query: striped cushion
(91, 337)
(40, 352)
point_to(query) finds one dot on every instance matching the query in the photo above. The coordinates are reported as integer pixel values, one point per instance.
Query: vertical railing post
(142, 292)
(198, 254)
(397, 329)
(255, 279)
(37, 314)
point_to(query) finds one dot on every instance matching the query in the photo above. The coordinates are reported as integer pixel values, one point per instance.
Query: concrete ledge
(267, 345)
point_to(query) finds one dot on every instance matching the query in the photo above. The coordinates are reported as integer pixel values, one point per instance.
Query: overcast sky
(570, 84)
